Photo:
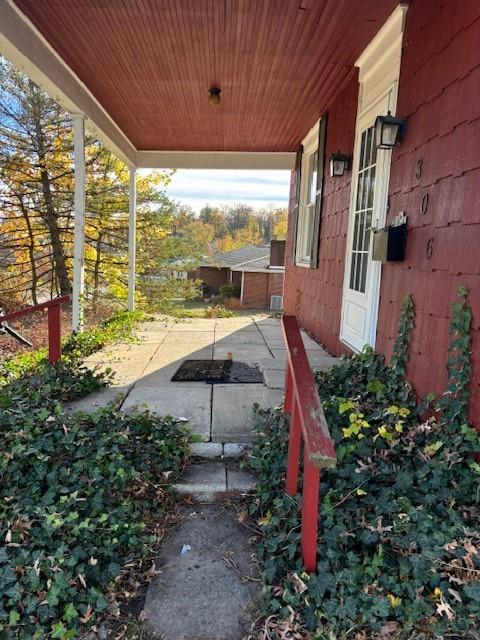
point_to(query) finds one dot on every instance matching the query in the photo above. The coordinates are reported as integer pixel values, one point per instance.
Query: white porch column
(241, 287)
(79, 228)
(132, 230)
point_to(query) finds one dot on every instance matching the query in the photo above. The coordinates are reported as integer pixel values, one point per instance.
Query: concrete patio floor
(220, 414)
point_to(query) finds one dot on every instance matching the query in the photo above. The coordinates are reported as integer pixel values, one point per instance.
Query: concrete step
(220, 450)
(211, 480)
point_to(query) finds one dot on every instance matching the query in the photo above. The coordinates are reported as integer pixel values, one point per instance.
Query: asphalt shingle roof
(240, 256)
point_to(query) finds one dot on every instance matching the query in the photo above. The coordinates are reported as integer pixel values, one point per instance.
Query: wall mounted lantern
(388, 131)
(339, 164)
(214, 96)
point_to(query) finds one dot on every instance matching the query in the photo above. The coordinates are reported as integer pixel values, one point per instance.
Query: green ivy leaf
(59, 630)
(70, 613)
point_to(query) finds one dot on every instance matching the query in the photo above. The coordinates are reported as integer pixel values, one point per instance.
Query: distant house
(178, 268)
(258, 271)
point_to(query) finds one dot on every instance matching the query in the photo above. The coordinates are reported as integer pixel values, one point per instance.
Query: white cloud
(197, 187)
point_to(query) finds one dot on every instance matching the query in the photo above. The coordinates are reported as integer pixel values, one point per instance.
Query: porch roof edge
(215, 160)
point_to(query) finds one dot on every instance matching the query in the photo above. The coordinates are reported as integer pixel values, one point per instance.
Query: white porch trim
(132, 241)
(29, 51)
(215, 160)
(79, 220)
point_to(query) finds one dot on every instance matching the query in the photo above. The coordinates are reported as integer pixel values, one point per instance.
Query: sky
(197, 187)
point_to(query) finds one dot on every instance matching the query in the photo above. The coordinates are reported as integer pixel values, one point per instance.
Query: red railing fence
(307, 422)
(54, 326)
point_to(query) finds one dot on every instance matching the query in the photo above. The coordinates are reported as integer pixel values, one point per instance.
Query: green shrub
(118, 328)
(229, 290)
(160, 295)
(399, 544)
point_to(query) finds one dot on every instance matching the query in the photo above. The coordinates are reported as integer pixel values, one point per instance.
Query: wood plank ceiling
(150, 64)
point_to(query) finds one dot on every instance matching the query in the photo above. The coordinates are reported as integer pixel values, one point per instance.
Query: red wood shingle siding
(439, 93)
(315, 295)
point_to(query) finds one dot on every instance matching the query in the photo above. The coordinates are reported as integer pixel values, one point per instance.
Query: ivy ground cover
(399, 540)
(82, 499)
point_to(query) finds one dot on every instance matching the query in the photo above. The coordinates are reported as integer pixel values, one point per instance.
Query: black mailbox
(389, 243)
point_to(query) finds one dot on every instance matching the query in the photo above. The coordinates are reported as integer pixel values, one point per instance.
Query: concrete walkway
(221, 414)
(207, 587)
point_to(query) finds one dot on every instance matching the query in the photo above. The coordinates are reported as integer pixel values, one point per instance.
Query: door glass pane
(371, 183)
(363, 212)
(352, 271)
(368, 147)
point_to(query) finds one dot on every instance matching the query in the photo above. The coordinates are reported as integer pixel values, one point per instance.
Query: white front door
(371, 168)
(379, 70)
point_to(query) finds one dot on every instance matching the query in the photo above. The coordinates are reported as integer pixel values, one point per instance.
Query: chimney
(277, 253)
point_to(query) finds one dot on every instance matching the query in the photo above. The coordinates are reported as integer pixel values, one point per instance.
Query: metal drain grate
(217, 371)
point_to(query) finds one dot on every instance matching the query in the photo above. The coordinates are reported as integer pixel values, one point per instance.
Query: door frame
(370, 299)
(379, 71)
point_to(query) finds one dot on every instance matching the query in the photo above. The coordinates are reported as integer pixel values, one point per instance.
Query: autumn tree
(216, 218)
(36, 191)
(280, 224)
(35, 140)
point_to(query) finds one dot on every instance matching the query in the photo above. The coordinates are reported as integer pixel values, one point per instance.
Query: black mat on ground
(217, 371)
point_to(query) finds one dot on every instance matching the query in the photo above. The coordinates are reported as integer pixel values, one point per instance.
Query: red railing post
(53, 306)
(293, 460)
(307, 420)
(54, 334)
(311, 483)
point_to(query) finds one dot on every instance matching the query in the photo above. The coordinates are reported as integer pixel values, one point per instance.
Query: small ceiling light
(339, 164)
(388, 131)
(214, 96)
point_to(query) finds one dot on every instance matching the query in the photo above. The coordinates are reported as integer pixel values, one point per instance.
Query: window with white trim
(308, 192)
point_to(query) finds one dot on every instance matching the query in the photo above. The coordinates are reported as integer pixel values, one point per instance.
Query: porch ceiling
(150, 64)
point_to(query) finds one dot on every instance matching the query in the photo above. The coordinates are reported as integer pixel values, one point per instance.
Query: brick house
(262, 282)
(258, 271)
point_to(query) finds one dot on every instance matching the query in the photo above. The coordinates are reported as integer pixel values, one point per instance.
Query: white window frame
(306, 208)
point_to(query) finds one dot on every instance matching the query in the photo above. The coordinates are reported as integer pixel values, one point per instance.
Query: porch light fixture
(214, 96)
(339, 164)
(388, 131)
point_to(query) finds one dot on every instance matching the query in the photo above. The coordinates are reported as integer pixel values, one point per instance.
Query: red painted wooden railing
(54, 327)
(307, 422)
